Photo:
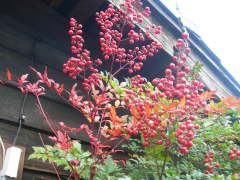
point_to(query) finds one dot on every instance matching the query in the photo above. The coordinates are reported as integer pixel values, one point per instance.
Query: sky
(218, 24)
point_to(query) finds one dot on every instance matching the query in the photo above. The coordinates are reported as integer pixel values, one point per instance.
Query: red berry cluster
(82, 62)
(94, 79)
(174, 84)
(185, 135)
(112, 23)
(137, 56)
(133, 36)
(136, 16)
(143, 122)
(234, 153)
(149, 124)
(137, 82)
(177, 86)
(209, 163)
(153, 29)
(150, 130)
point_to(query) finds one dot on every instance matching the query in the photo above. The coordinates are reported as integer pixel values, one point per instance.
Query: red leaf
(134, 112)
(46, 80)
(115, 132)
(23, 80)
(33, 69)
(170, 106)
(9, 76)
(101, 99)
(73, 90)
(38, 73)
(148, 109)
(60, 90)
(208, 95)
(61, 137)
(45, 74)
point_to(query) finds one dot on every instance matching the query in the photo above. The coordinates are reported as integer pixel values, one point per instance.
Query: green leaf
(33, 156)
(236, 125)
(150, 86)
(38, 149)
(49, 148)
(77, 147)
(120, 90)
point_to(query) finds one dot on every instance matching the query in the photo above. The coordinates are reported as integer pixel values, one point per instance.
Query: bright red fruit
(185, 35)
(159, 142)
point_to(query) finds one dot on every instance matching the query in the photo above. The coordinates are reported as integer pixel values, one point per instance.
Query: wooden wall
(33, 34)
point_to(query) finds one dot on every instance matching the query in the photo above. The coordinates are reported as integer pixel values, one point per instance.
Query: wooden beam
(53, 3)
(44, 170)
(35, 18)
(85, 8)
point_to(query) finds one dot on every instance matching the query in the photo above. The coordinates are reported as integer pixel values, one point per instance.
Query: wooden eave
(214, 75)
(201, 49)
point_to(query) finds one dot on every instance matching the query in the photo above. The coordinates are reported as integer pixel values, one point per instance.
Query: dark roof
(161, 12)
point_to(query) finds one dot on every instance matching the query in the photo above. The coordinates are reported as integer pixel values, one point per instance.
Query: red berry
(70, 32)
(210, 160)
(168, 142)
(187, 50)
(189, 144)
(187, 69)
(183, 150)
(131, 41)
(184, 58)
(197, 126)
(106, 57)
(211, 154)
(126, 99)
(145, 143)
(209, 167)
(232, 156)
(74, 162)
(206, 172)
(174, 58)
(168, 72)
(185, 35)
(238, 153)
(191, 117)
(172, 66)
(130, 71)
(234, 150)
(159, 142)
(182, 127)
(154, 82)
(153, 134)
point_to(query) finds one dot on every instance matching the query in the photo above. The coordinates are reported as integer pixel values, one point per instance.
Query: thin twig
(45, 116)
(164, 163)
(50, 162)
